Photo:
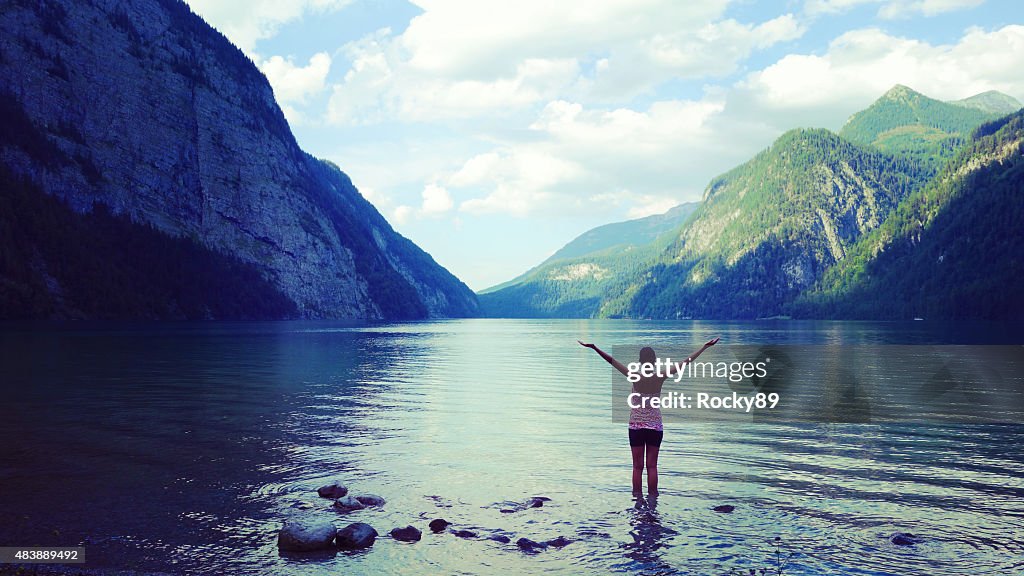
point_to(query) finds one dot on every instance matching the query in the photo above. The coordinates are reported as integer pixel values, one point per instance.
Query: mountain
(615, 237)
(802, 229)
(952, 249)
(142, 119)
(572, 281)
(908, 122)
(992, 101)
(623, 234)
(768, 229)
(763, 232)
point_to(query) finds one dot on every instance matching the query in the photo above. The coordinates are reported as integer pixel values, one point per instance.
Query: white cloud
(712, 50)
(402, 214)
(639, 205)
(257, 20)
(474, 39)
(815, 7)
(436, 200)
(650, 205)
(861, 65)
(590, 160)
(534, 80)
(293, 84)
(910, 8)
(466, 59)
(373, 90)
(892, 8)
(521, 180)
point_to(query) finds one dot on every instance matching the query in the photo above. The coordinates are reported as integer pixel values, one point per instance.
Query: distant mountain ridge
(992, 101)
(631, 232)
(791, 231)
(615, 237)
(573, 282)
(142, 107)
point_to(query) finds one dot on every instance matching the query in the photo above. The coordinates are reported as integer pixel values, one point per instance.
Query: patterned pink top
(645, 417)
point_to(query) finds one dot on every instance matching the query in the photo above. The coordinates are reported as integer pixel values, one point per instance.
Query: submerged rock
(438, 525)
(407, 534)
(355, 536)
(532, 502)
(440, 502)
(499, 538)
(305, 534)
(464, 533)
(905, 539)
(370, 500)
(559, 542)
(724, 508)
(336, 489)
(527, 545)
(348, 504)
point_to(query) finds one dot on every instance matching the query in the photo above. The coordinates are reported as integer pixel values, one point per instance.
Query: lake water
(181, 447)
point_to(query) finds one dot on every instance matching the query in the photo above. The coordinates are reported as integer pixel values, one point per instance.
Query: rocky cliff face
(768, 229)
(146, 109)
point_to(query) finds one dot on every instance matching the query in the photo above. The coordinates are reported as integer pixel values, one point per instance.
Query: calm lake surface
(181, 447)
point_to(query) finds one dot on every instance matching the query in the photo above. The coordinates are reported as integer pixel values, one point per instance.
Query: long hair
(647, 355)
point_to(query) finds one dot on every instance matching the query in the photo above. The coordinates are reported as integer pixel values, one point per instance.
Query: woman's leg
(638, 469)
(652, 469)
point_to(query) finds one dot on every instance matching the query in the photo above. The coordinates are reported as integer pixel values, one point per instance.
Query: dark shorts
(645, 437)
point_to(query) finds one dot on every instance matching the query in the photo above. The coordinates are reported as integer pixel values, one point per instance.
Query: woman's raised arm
(607, 357)
(706, 345)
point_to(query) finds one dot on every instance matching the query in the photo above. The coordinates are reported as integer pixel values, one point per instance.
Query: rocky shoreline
(312, 533)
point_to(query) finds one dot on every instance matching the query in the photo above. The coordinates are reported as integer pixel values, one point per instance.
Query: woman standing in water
(645, 428)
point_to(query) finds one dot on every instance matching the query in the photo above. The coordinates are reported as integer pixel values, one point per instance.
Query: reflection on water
(182, 447)
(648, 538)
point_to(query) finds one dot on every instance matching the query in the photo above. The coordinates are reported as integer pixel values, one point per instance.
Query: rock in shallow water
(559, 542)
(905, 539)
(348, 504)
(499, 538)
(438, 525)
(532, 502)
(336, 489)
(305, 534)
(407, 534)
(355, 536)
(527, 545)
(464, 533)
(724, 508)
(370, 500)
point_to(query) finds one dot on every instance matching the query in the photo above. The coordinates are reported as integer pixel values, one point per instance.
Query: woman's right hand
(591, 346)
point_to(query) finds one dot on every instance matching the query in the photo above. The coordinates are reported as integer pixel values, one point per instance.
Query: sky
(493, 133)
